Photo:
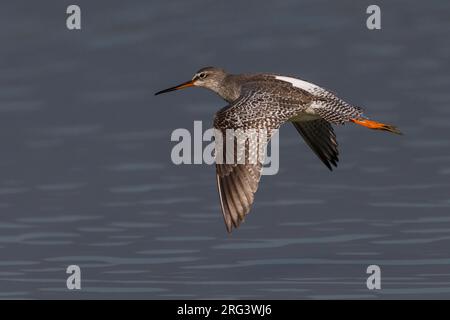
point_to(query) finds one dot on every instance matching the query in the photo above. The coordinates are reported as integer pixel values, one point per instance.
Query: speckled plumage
(266, 101)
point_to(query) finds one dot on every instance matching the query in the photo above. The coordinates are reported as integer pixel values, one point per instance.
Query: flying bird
(266, 101)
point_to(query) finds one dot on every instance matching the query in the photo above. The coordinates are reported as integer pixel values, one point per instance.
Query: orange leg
(376, 125)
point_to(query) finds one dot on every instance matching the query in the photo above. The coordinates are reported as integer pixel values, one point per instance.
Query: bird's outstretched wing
(237, 180)
(266, 102)
(320, 137)
(237, 186)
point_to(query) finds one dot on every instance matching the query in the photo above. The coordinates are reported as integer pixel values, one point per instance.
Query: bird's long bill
(186, 84)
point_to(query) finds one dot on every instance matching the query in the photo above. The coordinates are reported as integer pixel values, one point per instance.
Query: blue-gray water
(86, 176)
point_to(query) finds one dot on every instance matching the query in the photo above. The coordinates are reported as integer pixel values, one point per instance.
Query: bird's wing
(320, 137)
(323, 102)
(237, 180)
(266, 102)
(335, 110)
(237, 186)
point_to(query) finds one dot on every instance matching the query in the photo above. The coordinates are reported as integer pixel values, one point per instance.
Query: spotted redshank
(266, 101)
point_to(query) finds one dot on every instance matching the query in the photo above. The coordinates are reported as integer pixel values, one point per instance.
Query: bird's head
(210, 77)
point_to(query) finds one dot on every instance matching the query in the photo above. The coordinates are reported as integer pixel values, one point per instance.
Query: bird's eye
(202, 75)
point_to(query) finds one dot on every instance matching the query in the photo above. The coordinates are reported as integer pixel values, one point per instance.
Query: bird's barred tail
(376, 125)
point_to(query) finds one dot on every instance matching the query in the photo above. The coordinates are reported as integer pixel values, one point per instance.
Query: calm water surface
(86, 176)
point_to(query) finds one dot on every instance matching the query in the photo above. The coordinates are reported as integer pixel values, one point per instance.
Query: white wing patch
(301, 84)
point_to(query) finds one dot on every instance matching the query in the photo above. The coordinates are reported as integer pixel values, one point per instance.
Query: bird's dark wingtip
(331, 164)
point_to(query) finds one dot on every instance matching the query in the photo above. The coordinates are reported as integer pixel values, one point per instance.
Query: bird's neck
(230, 89)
